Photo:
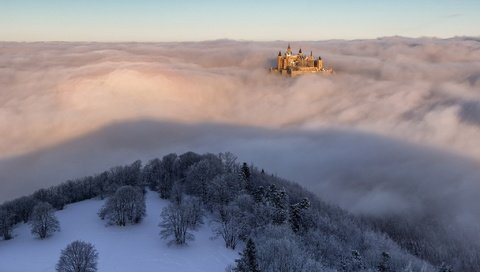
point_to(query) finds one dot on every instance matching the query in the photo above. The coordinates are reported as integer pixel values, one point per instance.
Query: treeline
(284, 227)
(431, 239)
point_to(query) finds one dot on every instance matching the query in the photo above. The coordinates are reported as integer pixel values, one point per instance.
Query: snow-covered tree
(278, 199)
(445, 268)
(248, 260)
(228, 225)
(101, 184)
(126, 206)
(356, 262)
(245, 172)
(223, 189)
(152, 174)
(184, 162)
(384, 265)
(279, 249)
(177, 220)
(194, 205)
(23, 207)
(168, 176)
(177, 192)
(78, 256)
(43, 221)
(6, 224)
(200, 174)
(296, 214)
(229, 162)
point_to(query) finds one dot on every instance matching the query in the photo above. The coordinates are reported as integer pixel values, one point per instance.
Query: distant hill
(292, 229)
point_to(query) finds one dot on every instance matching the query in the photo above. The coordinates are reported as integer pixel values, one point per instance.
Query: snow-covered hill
(131, 248)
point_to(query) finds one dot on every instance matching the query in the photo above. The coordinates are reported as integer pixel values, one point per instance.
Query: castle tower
(319, 63)
(311, 60)
(279, 61)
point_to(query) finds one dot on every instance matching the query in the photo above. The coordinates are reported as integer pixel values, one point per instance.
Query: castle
(300, 64)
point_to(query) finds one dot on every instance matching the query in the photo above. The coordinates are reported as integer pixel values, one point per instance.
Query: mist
(393, 132)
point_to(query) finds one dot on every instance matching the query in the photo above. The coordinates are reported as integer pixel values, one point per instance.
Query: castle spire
(311, 53)
(279, 53)
(289, 50)
(300, 51)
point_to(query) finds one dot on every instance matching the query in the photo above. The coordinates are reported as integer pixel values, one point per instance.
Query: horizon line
(235, 40)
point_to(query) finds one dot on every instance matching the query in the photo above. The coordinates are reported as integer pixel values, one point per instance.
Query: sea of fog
(395, 130)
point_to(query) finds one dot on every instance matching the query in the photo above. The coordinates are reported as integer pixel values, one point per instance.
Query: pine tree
(356, 261)
(259, 194)
(278, 199)
(245, 172)
(384, 265)
(445, 268)
(296, 212)
(248, 261)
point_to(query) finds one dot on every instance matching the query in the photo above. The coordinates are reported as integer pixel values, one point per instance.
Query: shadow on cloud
(364, 173)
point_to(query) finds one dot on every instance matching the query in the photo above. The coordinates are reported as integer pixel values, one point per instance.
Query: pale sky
(194, 20)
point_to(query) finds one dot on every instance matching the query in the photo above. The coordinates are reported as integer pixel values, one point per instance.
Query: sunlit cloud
(416, 90)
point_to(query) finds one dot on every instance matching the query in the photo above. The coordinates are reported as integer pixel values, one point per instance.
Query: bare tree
(228, 225)
(229, 161)
(179, 219)
(126, 206)
(6, 224)
(43, 220)
(78, 256)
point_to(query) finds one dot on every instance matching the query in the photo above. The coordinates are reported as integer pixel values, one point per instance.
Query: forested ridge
(276, 224)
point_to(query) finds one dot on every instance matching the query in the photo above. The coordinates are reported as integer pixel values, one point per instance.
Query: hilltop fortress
(300, 64)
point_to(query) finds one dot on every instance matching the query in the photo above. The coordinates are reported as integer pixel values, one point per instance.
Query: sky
(193, 20)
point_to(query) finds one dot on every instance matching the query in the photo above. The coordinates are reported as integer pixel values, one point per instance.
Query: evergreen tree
(245, 171)
(248, 261)
(296, 211)
(357, 262)
(278, 199)
(445, 268)
(259, 194)
(246, 176)
(384, 265)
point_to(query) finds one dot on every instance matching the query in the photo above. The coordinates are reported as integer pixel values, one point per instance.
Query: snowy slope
(131, 248)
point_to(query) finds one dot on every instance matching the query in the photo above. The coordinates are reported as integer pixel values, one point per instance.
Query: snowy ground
(131, 248)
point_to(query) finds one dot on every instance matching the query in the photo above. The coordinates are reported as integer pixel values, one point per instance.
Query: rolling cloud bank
(394, 132)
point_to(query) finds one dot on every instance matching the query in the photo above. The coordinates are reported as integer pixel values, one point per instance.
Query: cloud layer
(394, 131)
(422, 91)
